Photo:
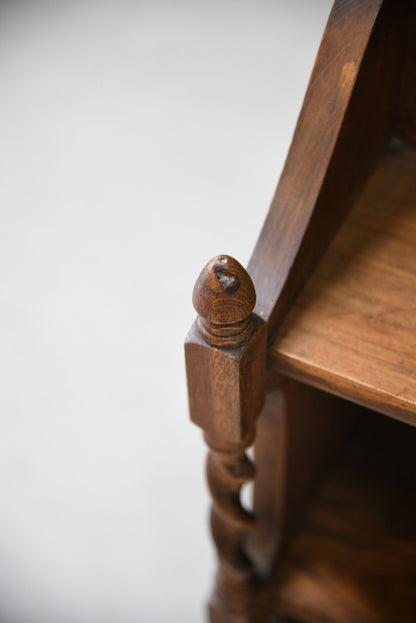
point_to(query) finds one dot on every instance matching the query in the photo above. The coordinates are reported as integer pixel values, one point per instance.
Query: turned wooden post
(226, 359)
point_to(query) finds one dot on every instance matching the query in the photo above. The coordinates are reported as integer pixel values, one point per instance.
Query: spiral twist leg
(227, 471)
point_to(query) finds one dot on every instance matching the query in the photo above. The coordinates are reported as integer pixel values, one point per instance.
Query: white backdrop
(138, 139)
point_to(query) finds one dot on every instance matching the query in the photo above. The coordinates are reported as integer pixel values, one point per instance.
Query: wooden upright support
(335, 276)
(226, 359)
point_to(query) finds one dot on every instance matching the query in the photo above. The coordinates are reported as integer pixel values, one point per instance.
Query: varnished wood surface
(352, 330)
(226, 364)
(299, 431)
(224, 298)
(345, 122)
(354, 561)
(351, 333)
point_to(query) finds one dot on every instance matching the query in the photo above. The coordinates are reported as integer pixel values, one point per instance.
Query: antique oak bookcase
(310, 354)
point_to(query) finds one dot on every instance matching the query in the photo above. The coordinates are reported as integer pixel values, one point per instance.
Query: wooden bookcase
(311, 352)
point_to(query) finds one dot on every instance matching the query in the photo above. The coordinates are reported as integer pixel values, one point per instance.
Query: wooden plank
(345, 122)
(299, 432)
(352, 330)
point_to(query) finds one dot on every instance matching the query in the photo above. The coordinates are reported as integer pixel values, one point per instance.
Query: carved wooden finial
(224, 298)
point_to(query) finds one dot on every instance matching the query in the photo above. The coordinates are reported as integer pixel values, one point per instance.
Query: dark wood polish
(354, 558)
(352, 330)
(226, 363)
(332, 285)
(345, 123)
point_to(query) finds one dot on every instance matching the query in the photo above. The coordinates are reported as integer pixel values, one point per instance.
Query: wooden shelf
(352, 330)
(354, 559)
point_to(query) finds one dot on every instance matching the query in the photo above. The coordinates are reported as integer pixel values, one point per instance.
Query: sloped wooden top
(352, 330)
(345, 123)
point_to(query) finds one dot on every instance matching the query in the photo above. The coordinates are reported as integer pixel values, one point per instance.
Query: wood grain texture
(344, 124)
(224, 298)
(352, 330)
(226, 362)
(299, 431)
(354, 560)
(345, 213)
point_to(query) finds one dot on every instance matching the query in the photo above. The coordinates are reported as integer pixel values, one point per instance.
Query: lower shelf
(354, 559)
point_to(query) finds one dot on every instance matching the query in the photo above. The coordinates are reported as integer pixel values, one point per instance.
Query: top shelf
(352, 330)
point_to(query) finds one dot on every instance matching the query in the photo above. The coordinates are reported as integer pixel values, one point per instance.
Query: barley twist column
(225, 357)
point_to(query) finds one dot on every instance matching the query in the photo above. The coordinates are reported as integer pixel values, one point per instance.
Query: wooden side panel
(344, 124)
(299, 431)
(270, 486)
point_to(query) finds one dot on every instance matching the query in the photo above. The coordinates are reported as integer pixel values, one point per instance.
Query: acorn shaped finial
(224, 298)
